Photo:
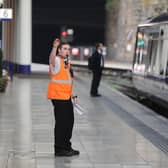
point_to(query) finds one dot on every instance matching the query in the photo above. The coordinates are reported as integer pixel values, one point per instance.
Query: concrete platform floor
(113, 132)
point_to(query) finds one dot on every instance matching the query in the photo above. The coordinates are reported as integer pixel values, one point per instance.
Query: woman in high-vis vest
(61, 94)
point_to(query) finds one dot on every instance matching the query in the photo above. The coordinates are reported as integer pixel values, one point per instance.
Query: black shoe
(95, 95)
(70, 152)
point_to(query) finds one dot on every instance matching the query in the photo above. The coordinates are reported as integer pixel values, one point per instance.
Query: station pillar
(22, 155)
(23, 36)
(17, 40)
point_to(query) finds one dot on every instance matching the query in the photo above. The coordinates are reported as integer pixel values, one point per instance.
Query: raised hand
(56, 43)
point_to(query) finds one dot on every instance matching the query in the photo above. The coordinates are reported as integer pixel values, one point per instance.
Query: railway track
(125, 86)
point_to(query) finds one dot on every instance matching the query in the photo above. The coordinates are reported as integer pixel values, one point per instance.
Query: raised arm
(53, 51)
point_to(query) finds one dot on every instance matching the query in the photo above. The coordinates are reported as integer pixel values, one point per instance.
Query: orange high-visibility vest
(60, 85)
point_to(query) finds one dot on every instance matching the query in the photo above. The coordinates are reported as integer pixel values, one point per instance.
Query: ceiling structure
(87, 13)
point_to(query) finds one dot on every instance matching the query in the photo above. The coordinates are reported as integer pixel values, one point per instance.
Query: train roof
(161, 18)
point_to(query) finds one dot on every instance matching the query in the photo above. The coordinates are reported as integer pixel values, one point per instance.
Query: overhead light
(75, 51)
(86, 52)
(70, 31)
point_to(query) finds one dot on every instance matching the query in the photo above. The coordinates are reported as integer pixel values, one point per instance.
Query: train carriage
(150, 65)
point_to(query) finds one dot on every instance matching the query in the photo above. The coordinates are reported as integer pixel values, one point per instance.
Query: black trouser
(64, 121)
(95, 81)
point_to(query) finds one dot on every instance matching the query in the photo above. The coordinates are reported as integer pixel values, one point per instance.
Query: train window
(141, 50)
(151, 50)
(152, 57)
(149, 54)
(167, 69)
(164, 55)
(156, 52)
(146, 48)
(158, 59)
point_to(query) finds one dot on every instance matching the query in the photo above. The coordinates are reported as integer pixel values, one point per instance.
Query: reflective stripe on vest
(69, 81)
(62, 81)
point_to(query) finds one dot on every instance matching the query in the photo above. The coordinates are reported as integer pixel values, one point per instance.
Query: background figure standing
(60, 92)
(98, 64)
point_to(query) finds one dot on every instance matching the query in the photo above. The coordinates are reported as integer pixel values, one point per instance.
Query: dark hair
(98, 44)
(60, 46)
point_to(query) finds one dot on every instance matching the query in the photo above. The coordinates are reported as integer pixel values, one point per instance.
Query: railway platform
(83, 66)
(113, 131)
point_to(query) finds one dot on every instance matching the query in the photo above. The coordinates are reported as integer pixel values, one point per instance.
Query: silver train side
(150, 65)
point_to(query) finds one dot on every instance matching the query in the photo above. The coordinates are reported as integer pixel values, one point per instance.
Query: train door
(149, 58)
(154, 52)
(149, 81)
(167, 72)
(163, 63)
(166, 82)
(156, 76)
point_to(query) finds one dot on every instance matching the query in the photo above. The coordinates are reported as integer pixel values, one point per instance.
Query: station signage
(6, 14)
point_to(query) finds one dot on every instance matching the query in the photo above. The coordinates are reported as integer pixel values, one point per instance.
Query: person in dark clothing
(98, 64)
